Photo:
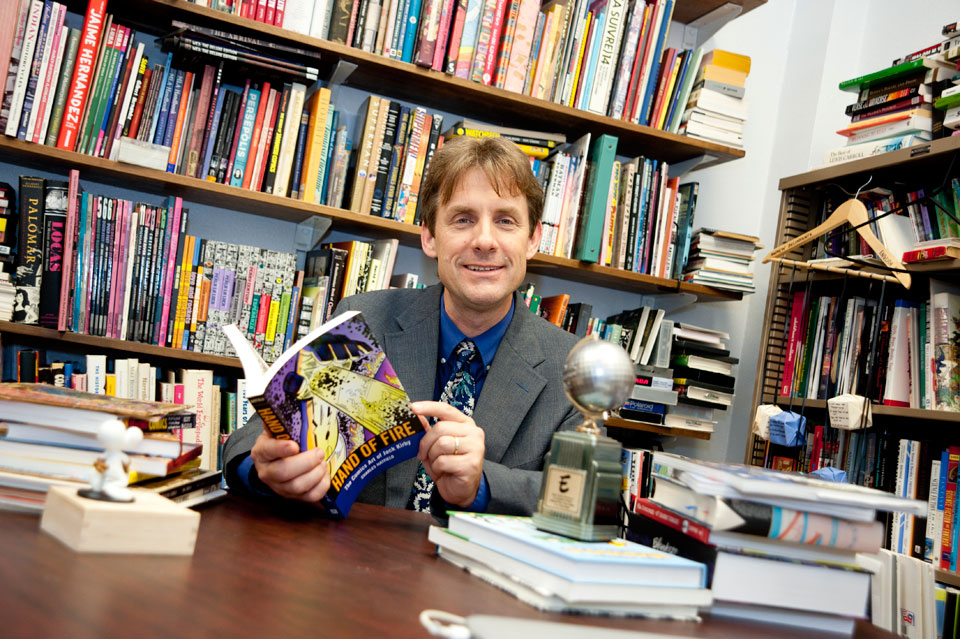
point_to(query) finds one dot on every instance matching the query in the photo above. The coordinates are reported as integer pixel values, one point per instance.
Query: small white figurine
(110, 482)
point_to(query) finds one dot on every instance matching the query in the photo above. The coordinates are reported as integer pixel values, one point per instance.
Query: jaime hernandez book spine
(334, 381)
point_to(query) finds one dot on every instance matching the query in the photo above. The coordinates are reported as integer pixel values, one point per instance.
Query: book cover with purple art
(335, 389)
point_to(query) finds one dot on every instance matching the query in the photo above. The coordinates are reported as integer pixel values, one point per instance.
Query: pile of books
(555, 573)
(686, 374)
(780, 547)
(48, 437)
(722, 260)
(716, 108)
(894, 106)
(703, 375)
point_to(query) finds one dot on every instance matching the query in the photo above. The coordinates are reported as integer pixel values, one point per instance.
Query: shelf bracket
(310, 232)
(679, 169)
(698, 31)
(669, 302)
(340, 74)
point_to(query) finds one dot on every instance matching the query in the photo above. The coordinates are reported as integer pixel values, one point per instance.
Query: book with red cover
(82, 74)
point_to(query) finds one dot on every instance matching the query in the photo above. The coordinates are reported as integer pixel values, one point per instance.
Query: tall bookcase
(801, 207)
(386, 77)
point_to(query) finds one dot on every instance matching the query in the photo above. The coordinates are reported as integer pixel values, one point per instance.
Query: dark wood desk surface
(259, 573)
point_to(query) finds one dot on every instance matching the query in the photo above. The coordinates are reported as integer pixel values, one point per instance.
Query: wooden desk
(257, 573)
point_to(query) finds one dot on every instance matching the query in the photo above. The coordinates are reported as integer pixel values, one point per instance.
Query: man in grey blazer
(481, 208)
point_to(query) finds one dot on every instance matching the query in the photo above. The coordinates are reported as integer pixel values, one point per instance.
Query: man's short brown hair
(502, 161)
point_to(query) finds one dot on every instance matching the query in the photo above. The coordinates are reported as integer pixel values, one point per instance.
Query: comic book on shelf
(335, 389)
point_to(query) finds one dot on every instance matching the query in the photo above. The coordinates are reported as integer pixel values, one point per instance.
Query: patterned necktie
(459, 392)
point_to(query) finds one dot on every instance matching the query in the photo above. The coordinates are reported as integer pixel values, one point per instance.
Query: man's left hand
(451, 451)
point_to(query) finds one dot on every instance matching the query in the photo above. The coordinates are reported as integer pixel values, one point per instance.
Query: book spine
(73, 204)
(32, 36)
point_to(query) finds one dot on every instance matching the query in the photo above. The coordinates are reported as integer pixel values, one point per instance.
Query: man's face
(482, 242)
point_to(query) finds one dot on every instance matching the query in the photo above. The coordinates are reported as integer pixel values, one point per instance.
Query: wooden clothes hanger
(853, 212)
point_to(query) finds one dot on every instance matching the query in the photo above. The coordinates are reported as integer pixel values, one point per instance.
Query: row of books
(608, 58)
(894, 106)
(336, 270)
(721, 259)
(914, 469)
(86, 89)
(395, 146)
(251, 134)
(835, 343)
(131, 271)
(49, 438)
(633, 215)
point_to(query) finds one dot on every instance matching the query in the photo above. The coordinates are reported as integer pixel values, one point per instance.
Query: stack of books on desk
(781, 547)
(560, 574)
(48, 436)
(722, 259)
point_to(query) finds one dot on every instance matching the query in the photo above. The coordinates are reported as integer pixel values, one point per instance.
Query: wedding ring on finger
(456, 445)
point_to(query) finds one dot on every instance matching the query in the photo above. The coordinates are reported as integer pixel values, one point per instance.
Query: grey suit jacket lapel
(412, 350)
(512, 385)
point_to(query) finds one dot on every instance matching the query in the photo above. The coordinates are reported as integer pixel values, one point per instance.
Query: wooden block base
(151, 524)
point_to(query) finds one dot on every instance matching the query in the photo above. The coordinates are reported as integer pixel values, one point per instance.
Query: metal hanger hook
(869, 180)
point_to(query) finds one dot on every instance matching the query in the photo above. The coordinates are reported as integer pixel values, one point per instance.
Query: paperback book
(334, 389)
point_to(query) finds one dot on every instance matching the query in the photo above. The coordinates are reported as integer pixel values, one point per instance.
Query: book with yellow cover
(728, 59)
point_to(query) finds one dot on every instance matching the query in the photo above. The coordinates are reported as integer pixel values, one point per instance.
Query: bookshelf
(870, 456)
(290, 210)
(432, 89)
(799, 208)
(396, 80)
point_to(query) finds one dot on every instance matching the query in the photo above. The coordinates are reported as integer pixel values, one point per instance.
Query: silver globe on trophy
(580, 491)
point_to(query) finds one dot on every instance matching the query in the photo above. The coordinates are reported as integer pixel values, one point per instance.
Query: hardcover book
(334, 389)
(610, 562)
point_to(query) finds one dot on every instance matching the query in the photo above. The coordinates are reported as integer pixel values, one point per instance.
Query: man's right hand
(304, 476)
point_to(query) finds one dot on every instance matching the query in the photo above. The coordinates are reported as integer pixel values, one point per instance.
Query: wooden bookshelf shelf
(947, 577)
(119, 346)
(283, 208)
(628, 424)
(881, 411)
(902, 160)
(436, 90)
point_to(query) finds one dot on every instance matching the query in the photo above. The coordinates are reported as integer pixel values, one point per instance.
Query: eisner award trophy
(580, 493)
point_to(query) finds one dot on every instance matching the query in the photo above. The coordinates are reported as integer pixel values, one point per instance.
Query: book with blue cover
(617, 561)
